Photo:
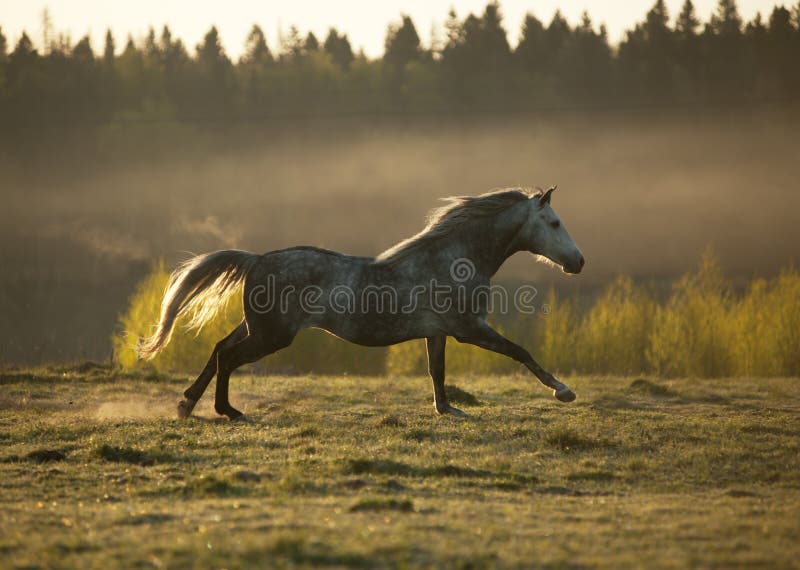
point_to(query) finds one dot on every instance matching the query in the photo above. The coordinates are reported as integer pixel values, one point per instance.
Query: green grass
(95, 471)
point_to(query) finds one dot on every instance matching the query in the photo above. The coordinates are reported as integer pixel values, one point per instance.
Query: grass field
(95, 472)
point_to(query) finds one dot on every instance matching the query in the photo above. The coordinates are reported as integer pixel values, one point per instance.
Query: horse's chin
(568, 268)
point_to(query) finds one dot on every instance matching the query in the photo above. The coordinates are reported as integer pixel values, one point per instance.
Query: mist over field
(643, 192)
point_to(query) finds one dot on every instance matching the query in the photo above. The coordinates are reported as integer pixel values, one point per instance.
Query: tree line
(472, 68)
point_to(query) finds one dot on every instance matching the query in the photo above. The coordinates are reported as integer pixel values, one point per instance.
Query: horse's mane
(456, 211)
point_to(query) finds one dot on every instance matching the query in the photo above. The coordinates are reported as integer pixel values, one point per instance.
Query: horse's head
(543, 234)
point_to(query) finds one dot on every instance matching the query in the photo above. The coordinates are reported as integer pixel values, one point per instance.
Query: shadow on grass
(642, 387)
(420, 435)
(373, 504)
(132, 455)
(610, 402)
(210, 485)
(299, 551)
(592, 475)
(391, 421)
(150, 518)
(379, 467)
(568, 440)
(46, 455)
(461, 397)
(498, 480)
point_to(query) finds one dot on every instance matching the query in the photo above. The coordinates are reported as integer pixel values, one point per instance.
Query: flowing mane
(456, 211)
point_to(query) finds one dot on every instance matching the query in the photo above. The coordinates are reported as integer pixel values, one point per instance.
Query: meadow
(348, 471)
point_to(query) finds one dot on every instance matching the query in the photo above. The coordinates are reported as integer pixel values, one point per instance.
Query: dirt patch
(134, 410)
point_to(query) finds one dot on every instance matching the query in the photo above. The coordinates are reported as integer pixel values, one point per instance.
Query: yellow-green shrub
(751, 321)
(407, 358)
(691, 333)
(558, 332)
(785, 335)
(614, 335)
(766, 328)
(702, 330)
(186, 351)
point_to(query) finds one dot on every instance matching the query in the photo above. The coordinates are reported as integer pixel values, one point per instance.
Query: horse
(432, 285)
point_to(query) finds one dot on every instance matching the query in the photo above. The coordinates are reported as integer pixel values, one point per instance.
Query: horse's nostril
(582, 261)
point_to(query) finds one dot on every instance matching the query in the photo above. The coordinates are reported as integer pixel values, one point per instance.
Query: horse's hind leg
(253, 347)
(436, 351)
(193, 394)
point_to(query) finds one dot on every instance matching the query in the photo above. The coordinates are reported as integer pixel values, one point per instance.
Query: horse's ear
(545, 198)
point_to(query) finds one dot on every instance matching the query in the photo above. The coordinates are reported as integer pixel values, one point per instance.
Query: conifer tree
(109, 50)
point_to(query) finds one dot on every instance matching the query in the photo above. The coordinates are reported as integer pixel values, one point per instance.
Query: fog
(641, 195)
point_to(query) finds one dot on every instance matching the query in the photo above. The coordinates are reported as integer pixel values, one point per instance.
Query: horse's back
(304, 264)
(304, 287)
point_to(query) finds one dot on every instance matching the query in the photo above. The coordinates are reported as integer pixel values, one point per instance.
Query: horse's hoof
(241, 418)
(564, 395)
(185, 408)
(452, 411)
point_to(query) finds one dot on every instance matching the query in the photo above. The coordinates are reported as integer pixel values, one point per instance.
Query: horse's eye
(555, 224)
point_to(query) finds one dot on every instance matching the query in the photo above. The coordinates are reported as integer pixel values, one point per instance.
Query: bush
(691, 334)
(559, 334)
(614, 335)
(184, 352)
(702, 330)
(784, 337)
(766, 328)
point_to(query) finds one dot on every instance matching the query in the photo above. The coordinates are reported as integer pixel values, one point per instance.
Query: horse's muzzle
(574, 267)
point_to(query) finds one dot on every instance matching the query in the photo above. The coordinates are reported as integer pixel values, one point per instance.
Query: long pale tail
(198, 287)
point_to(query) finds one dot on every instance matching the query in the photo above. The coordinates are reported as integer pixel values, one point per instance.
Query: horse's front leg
(436, 346)
(484, 336)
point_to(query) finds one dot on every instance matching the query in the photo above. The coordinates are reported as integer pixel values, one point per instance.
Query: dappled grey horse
(433, 285)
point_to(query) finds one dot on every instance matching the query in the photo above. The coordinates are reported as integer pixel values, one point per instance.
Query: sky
(364, 21)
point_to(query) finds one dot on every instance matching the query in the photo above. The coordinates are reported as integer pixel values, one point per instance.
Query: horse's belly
(370, 330)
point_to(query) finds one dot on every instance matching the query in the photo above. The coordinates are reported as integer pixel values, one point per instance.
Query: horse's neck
(488, 243)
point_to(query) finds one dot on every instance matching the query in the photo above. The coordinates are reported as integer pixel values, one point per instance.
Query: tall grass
(765, 328)
(613, 337)
(556, 337)
(691, 333)
(701, 329)
(185, 351)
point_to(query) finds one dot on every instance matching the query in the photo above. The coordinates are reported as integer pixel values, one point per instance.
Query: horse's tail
(199, 286)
